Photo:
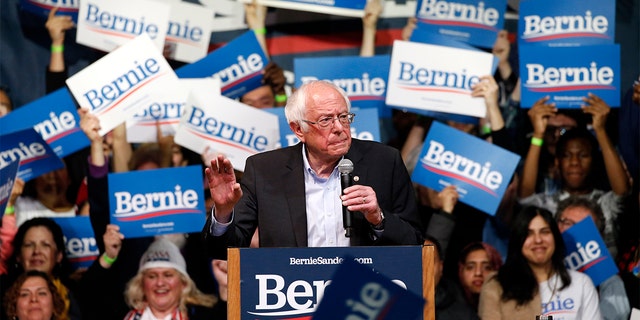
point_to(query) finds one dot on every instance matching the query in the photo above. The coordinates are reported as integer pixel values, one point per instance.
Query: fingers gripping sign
(225, 190)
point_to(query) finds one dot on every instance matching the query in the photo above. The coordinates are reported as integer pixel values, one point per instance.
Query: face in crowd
(162, 288)
(539, 245)
(39, 250)
(475, 270)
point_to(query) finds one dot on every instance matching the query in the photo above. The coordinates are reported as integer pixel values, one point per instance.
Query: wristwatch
(379, 226)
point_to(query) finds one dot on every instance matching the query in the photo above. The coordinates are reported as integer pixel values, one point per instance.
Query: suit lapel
(295, 191)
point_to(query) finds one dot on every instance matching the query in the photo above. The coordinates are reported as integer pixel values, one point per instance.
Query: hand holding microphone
(357, 198)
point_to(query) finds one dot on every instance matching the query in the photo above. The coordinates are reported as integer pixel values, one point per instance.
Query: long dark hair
(516, 276)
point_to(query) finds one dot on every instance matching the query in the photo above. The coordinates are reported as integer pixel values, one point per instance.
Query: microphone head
(345, 166)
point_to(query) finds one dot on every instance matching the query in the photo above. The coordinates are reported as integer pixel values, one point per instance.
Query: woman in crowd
(163, 288)
(34, 296)
(534, 280)
(477, 262)
(39, 245)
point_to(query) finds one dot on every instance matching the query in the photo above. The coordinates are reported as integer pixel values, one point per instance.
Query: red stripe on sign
(298, 44)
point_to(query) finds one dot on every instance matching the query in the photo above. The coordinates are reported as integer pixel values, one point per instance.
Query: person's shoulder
(369, 146)
(276, 154)
(579, 277)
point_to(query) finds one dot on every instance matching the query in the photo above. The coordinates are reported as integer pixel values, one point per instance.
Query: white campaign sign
(123, 82)
(166, 111)
(108, 24)
(436, 78)
(189, 31)
(226, 126)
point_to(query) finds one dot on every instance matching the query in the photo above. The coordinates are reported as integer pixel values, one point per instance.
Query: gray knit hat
(162, 253)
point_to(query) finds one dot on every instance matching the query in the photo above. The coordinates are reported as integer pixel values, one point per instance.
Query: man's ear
(297, 129)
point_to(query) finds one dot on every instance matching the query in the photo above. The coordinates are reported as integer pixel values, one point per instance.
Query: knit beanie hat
(162, 253)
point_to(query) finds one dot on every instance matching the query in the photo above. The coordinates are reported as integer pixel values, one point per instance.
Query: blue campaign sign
(568, 74)
(567, 22)
(343, 4)
(359, 293)
(470, 21)
(35, 156)
(289, 283)
(364, 79)
(238, 65)
(365, 125)
(7, 178)
(42, 7)
(153, 202)
(480, 170)
(79, 241)
(587, 252)
(54, 116)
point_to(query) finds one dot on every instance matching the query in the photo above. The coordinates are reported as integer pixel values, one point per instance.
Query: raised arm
(539, 115)
(225, 190)
(599, 110)
(369, 26)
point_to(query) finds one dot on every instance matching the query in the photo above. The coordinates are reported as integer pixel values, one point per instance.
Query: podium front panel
(288, 283)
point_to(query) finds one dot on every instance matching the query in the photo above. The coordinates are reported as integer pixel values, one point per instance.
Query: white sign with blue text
(189, 31)
(569, 74)
(566, 23)
(54, 117)
(480, 170)
(107, 24)
(226, 126)
(587, 252)
(35, 156)
(161, 201)
(165, 112)
(238, 65)
(432, 77)
(364, 79)
(471, 21)
(79, 241)
(123, 82)
(348, 8)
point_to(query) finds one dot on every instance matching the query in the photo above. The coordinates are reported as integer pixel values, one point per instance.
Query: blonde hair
(191, 295)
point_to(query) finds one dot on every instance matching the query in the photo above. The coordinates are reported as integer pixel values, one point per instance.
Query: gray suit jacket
(274, 198)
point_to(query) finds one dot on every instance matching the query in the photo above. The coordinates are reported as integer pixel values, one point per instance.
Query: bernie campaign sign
(566, 23)
(470, 21)
(7, 178)
(431, 77)
(364, 79)
(54, 117)
(43, 7)
(154, 202)
(226, 126)
(189, 31)
(568, 74)
(79, 241)
(587, 252)
(107, 24)
(357, 292)
(35, 156)
(364, 127)
(289, 283)
(347, 8)
(480, 170)
(121, 83)
(238, 65)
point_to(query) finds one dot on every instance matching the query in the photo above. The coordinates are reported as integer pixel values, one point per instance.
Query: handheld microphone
(345, 167)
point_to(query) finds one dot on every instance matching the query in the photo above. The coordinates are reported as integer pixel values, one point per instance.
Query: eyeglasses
(566, 222)
(326, 122)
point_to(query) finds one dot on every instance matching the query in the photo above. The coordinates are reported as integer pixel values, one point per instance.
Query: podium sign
(288, 283)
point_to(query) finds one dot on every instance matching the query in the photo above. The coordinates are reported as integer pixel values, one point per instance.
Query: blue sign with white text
(356, 292)
(344, 4)
(470, 21)
(7, 179)
(587, 252)
(238, 65)
(364, 79)
(79, 241)
(54, 116)
(480, 170)
(35, 156)
(43, 7)
(566, 23)
(289, 283)
(568, 74)
(153, 202)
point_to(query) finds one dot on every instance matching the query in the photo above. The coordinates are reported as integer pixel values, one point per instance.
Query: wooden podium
(414, 263)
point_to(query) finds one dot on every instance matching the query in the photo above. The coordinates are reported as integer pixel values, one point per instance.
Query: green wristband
(9, 210)
(56, 49)
(281, 97)
(260, 31)
(536, 141)
(108, 260)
